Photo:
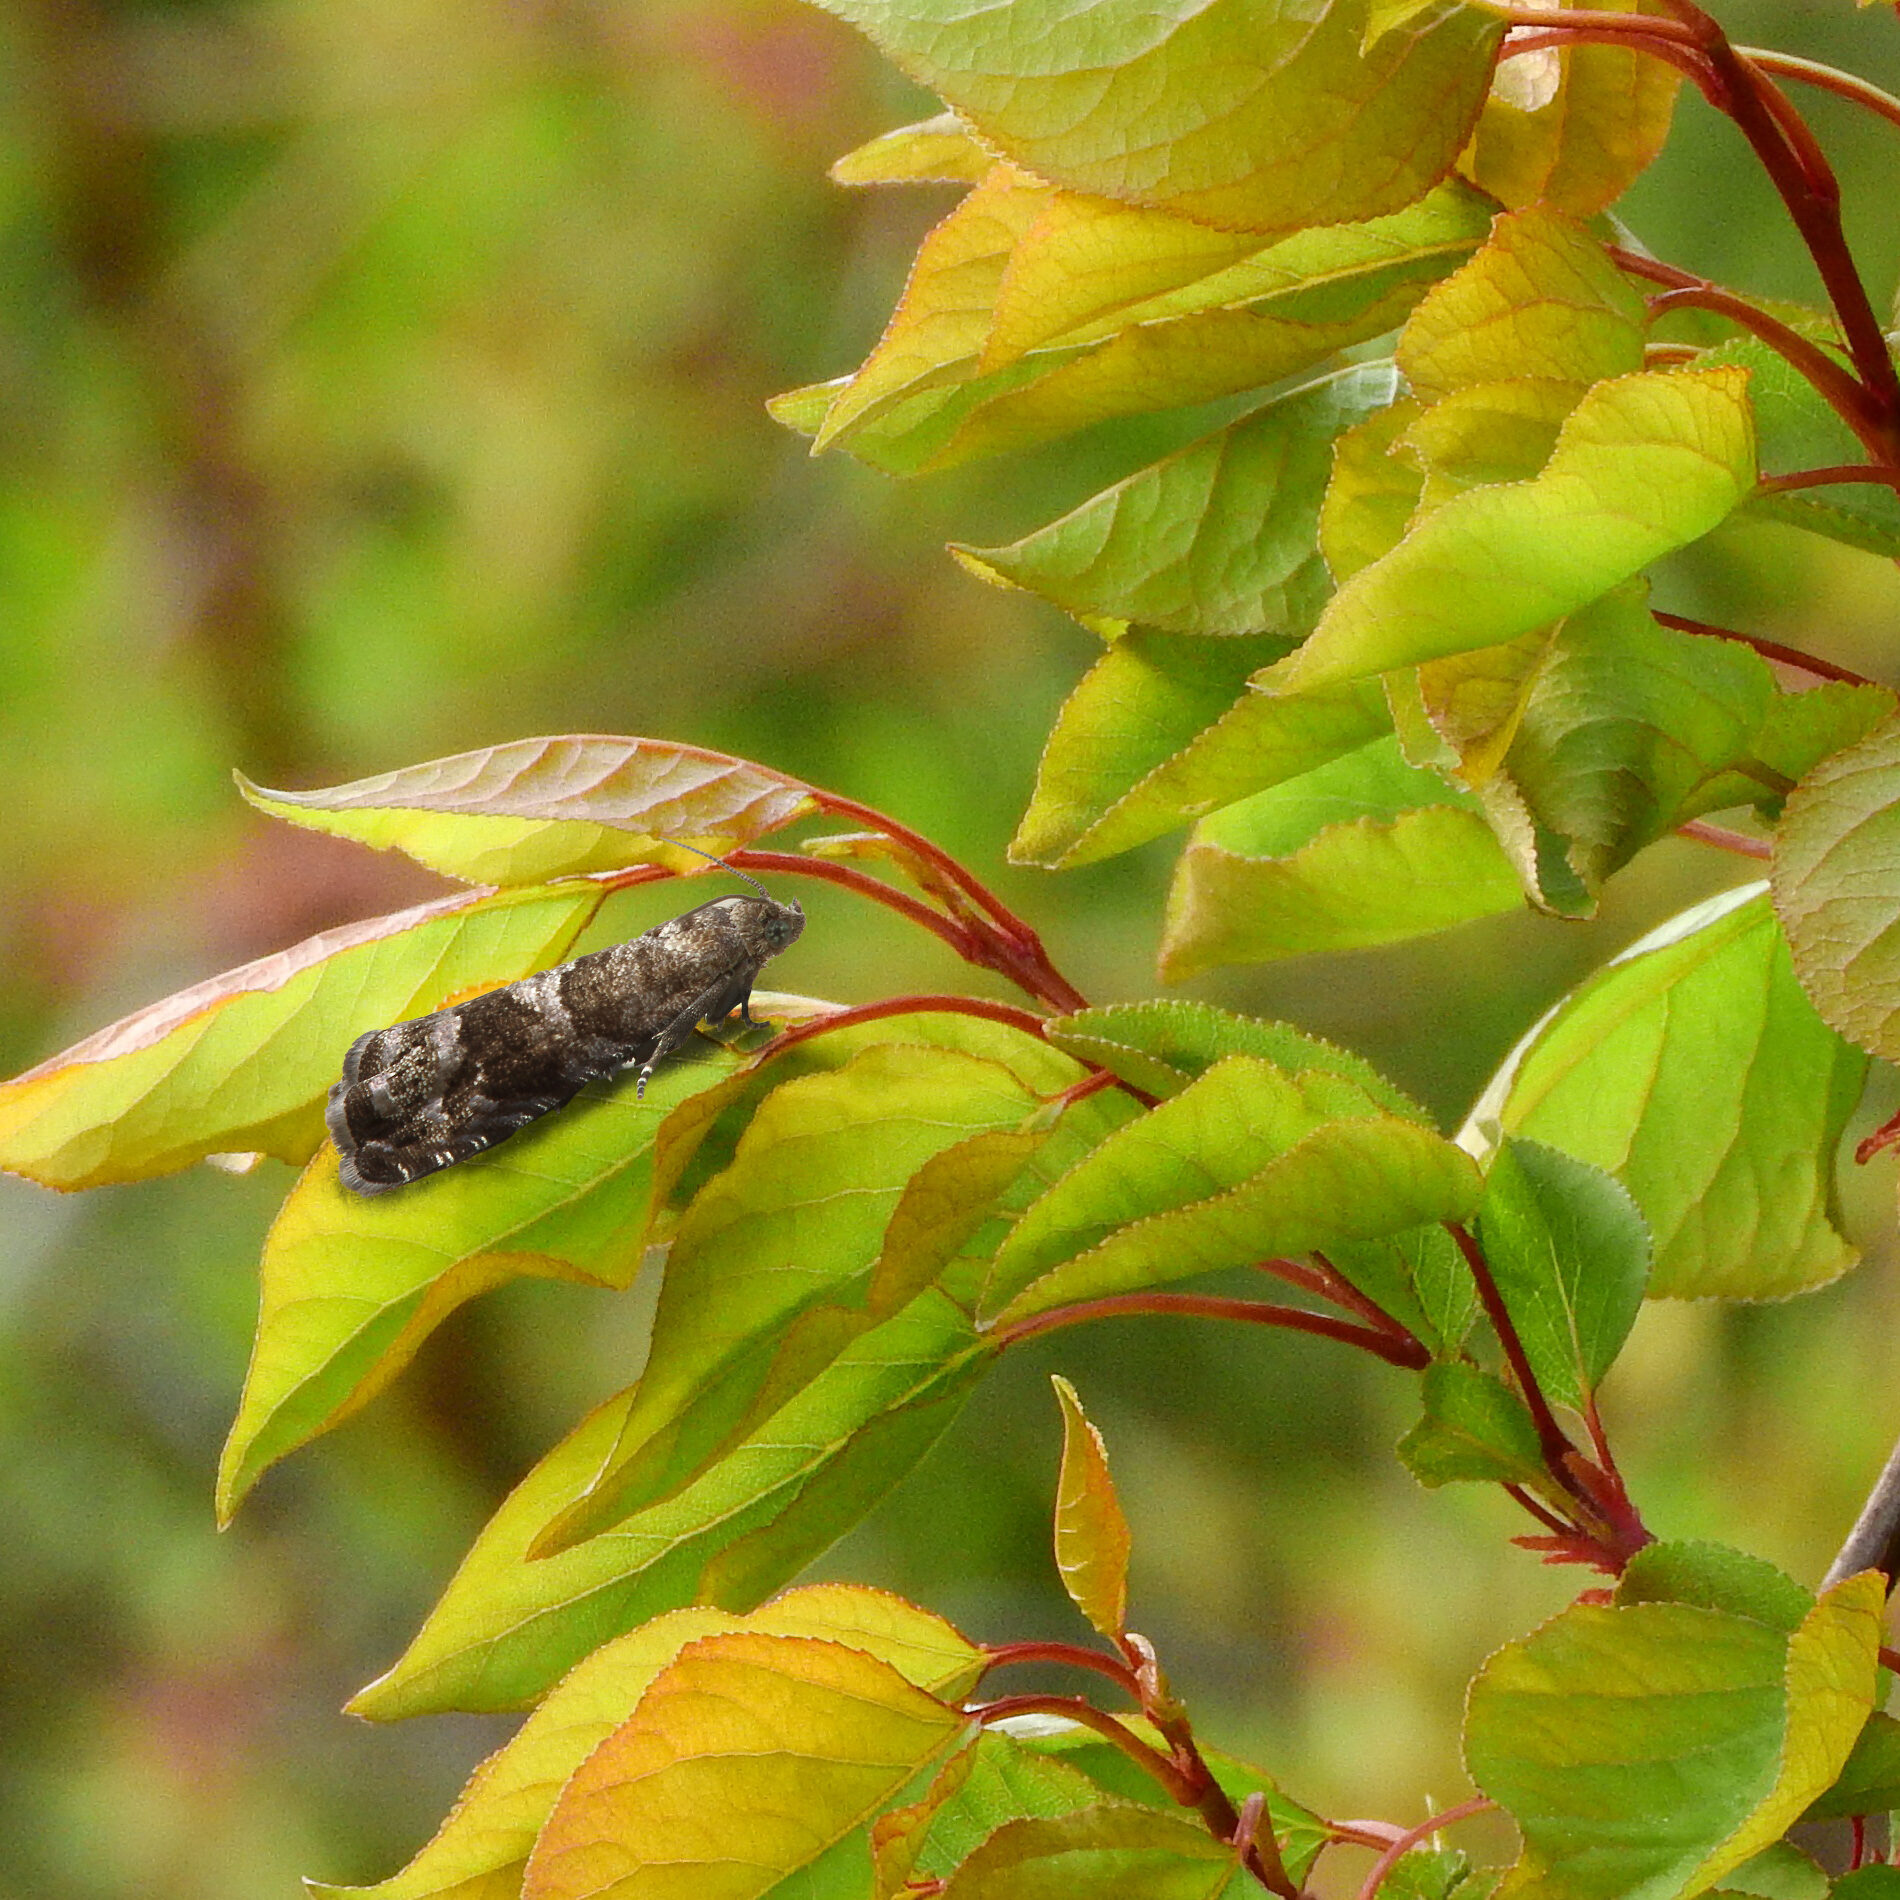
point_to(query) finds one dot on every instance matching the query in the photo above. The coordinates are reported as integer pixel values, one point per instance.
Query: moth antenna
(679, 844)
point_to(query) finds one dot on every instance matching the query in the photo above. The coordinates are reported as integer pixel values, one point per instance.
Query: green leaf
(1541, 298)
(1798, 430)
(1165, 728)
(1870, 1781)
(806, 1739)
(1374, 489)
(353, 1286)
(537, 809)
(1164, 1045)
(1646, 1751)
(1475, 1427)
(1101, 1853)
(1570, 1256)
(1363, 850)
(1644, 464)
(1092, 1540)
(1278, 311)
(1217, 538)
(1590, 741)
(1253, 114)
(1714, 1577)
(509, 1626)
(492, 1827)
(1837, 892)
(772, 1270)
(1694, 1069)
(1572, 127)
(1420, 1278)
(1877, 1882)
(1442, 1873)
(1246, 1162)
(243, 1061)
(1779, 1872)
(938, 150)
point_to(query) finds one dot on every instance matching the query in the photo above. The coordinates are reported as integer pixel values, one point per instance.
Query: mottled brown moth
(426, 1094)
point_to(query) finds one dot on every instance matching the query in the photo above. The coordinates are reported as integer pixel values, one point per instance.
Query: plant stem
(1479, 1804)
(1406, 1352)
(1723, 839)
(1768, 649)
(1556, 1447)
(1072, 1655)
(1864, 474)
(1874, 1542)
(795, 864)
(1075, 1709)
(1810, 72)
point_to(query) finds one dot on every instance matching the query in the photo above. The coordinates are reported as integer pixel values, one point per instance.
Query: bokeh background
(382, 378)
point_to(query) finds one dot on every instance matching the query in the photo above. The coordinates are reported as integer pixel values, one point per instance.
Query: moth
(425, 1094)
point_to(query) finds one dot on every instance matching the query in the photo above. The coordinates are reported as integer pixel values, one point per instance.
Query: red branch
(1810, 72)
(1406, 1352)
(1863, 474)
(1071, 1655)
(1411, 1838)
(1074, 1709)
(1768, 649)
(1723, 839)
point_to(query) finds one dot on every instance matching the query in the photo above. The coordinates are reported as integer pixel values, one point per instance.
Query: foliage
(1382, 637)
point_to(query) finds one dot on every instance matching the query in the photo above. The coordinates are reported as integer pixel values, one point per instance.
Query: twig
(1406, 1352)
(1862, 474)
(1874, 1542)
(1768, 649)
(1074, 1709)
(1810, 72)
(1072, 1655)
(1478, 1804)
(1723, 839)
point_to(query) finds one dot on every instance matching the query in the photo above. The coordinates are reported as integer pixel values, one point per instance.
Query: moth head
(776, 924)
(781, 923)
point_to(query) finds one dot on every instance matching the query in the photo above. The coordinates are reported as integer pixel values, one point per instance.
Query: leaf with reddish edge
(1092, 1541)
(242, 1062)
(536, 809)
(490, 1832)
(805, 1739)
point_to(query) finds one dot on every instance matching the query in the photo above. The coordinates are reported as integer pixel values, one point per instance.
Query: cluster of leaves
(1383, 638)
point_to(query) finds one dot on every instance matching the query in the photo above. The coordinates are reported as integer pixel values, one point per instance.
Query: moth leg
(713, 1005)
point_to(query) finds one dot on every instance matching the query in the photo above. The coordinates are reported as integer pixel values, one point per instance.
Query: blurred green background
(383, 378)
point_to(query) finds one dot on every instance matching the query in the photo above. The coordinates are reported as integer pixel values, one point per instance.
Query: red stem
(1543, 1514)
(1643, 26)
(1151, 1760)
(1723, 839)
(901, 1006)
(1411, 1838)
(1768, 649)
(1810, 72)
(1865, 474)
(1555, 1445)
(1405, 1352)
(1073, 1655)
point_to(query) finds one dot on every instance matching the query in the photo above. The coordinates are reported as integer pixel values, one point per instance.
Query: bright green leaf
(1419, 1277)
(1779, 1872)
(1363, 850)
(509, 1626)
(536, 809)
(1571, 1259)
(243, 1061)
(1374, 489)
(1101, 1853)
(1714, 1577)
(1694, 1069)
(1247, 113)
(1644, 464)
(1217, 538)
(806, 1739)
(1280, 1164)
(1165, 728)
(1475, 1427)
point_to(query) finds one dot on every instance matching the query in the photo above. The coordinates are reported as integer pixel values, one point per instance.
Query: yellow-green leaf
(1092, 1541)
(938, 150)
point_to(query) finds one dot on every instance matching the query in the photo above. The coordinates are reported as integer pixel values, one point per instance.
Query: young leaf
(1255, 116)
(1572, 127)
(806, 1739)
(1420, 1278)
(1474, 1427)
(1835, 891)
(938, 150)
(1540, 299)
(1693, 1069)
(243, 1061)
(509, 1626)
(1779, 1872)
(1648, 1750)
(1100, 1853)
(1374, 489)
(537, 809)
(1281, 1164)
(491, 1829)
(352, 1287)
(1363, 850)
(1713, 1577)
(772, 1269)
(1165, 728)
(1217, 538)
(1092, 1541)
(1571, 1258)
(1163, 1046)
(1644, 464)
